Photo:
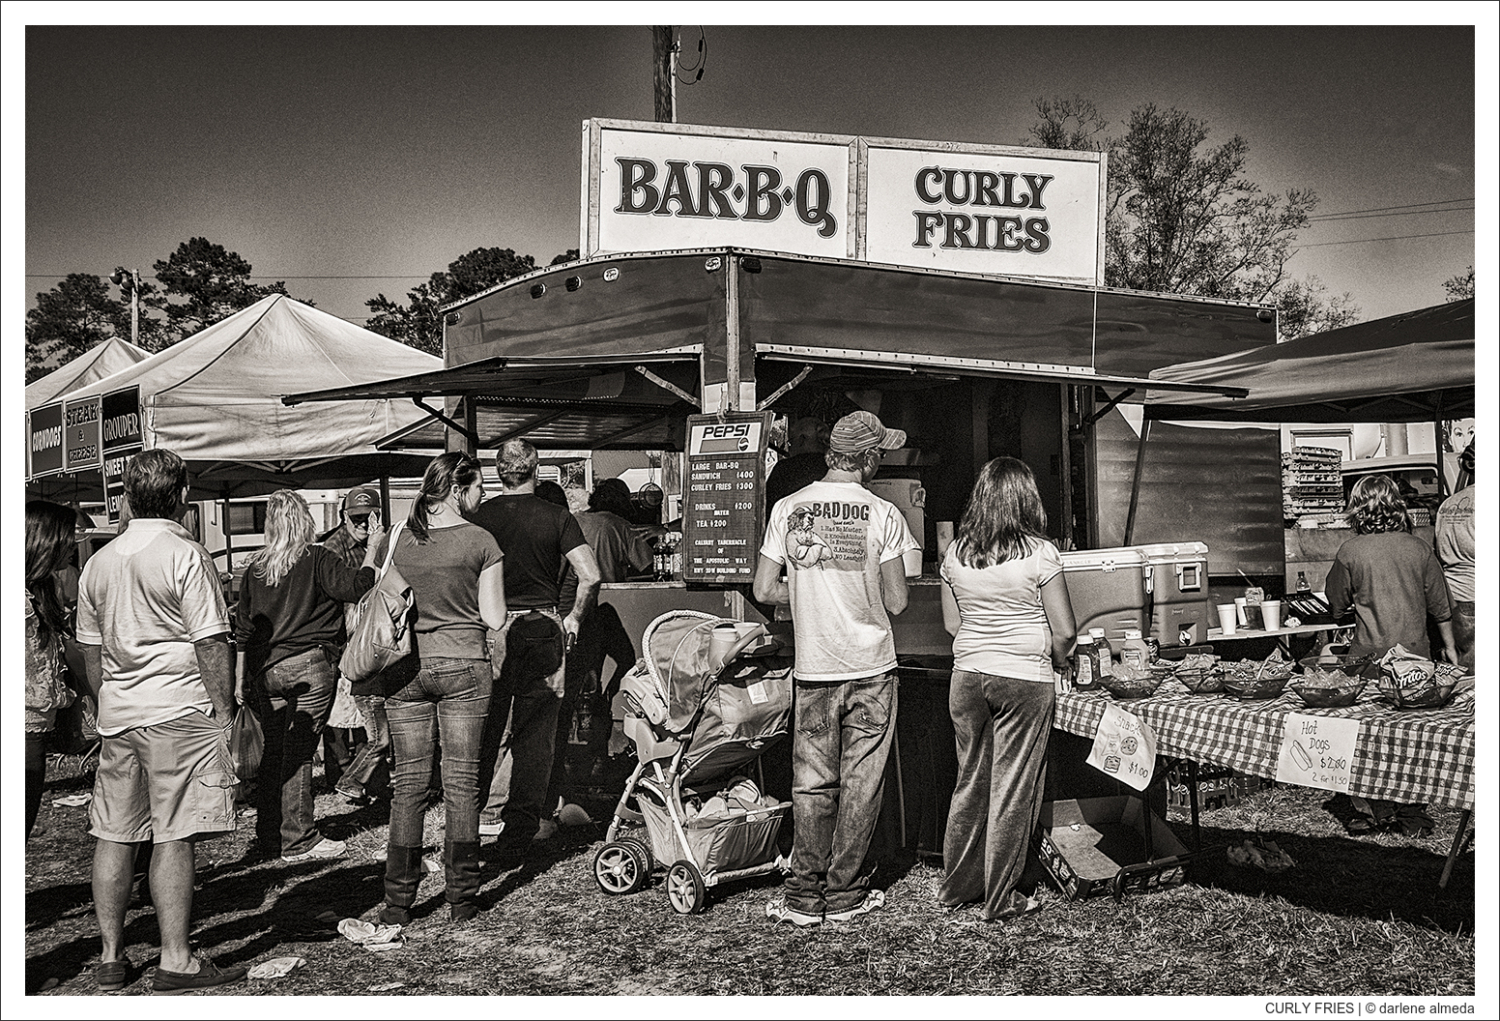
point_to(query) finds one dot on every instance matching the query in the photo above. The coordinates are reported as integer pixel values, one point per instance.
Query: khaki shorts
(165, 782)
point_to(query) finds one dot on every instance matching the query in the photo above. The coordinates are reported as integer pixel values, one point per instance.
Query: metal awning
(941, 365)
(602, 402)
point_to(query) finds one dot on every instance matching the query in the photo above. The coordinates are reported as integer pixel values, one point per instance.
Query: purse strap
(390, 549)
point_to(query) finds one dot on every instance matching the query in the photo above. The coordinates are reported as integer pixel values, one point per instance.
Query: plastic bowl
(1366, 666)
(1134, 687)
(1200, 680)
(1246, 687)
(1324, 696)
(1434, 693)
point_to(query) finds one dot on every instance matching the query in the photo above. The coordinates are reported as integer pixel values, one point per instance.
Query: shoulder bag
(382, 633)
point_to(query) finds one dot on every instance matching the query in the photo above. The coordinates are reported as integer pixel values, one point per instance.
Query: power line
(1399, 237)
(1378, 216)
(1382, 209)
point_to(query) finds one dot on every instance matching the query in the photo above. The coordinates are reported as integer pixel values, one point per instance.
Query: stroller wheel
(622, 867)
(685, 889)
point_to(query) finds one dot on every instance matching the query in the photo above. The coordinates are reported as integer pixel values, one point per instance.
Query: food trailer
(733, 280)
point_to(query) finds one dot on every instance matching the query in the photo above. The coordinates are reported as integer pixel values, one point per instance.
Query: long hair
(455, 468)
(1375, 505)
(1004, 519)
(49, 542)
(289, 532)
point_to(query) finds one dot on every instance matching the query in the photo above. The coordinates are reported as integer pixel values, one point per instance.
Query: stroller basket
(719, 843)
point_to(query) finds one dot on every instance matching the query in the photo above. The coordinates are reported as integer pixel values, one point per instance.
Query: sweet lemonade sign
(987, 209)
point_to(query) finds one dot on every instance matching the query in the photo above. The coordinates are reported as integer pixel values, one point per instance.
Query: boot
(403, 871)
(461, 864)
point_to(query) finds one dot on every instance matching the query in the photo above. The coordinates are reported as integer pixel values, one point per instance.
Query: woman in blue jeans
(1006, 603)
(455, 573)
(290, 630)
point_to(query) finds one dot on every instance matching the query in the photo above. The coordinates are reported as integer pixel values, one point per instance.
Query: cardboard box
(1083, 844)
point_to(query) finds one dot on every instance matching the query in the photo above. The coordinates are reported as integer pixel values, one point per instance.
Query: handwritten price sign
(1317, 751)
(1124, 747)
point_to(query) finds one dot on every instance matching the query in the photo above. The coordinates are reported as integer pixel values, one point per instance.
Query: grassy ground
(1355, 916)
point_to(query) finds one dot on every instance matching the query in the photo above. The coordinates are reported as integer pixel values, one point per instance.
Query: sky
(324, 153)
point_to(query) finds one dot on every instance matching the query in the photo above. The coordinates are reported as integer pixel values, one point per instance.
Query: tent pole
(1437, 444)
(385, 499)
(1135, 482)
(228, 535)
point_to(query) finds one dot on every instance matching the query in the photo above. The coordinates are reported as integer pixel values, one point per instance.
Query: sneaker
(490, 829)
(112, 976)
(324, 848)
(874, 901)
(779, 911)
(208, 975)
(546, 830)
(353, 795)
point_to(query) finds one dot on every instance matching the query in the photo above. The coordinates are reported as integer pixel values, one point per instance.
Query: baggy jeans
(1001, 726)
(841, 739)
(296, 697)
(519, 742)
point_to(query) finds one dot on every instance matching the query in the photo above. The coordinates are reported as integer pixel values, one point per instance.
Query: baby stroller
(699, 710)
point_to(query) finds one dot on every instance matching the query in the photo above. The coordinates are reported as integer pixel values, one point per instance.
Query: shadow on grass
(1349, 877)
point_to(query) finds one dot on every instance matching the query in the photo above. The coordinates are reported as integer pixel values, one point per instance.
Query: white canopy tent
(98, 362)
(215, 400)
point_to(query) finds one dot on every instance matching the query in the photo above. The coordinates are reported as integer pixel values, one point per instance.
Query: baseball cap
(362, 500)
(860, 431)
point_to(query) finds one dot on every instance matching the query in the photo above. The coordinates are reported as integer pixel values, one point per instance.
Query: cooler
(1108, 589)
(1177, 592)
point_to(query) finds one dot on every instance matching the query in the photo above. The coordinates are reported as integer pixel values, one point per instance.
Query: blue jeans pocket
(870, 707)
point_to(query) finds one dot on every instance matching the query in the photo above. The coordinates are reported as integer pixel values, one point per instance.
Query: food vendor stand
(955, 290)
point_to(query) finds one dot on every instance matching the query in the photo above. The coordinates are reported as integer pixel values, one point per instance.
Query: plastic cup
(1228, 618)
(1271, 611)
(911, 563)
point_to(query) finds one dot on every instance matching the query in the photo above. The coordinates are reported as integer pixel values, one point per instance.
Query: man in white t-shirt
(155, 637)
(841, 547)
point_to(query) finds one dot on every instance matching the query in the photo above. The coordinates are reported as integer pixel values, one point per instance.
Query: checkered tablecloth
(1408, 756)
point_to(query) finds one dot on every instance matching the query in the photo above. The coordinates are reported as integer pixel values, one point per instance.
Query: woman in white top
(1005, 601)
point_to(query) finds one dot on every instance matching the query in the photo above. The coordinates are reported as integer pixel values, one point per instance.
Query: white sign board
(1317, 751)
(1015, 213)
(1004, 210)
(665, 191)
(1124, 747)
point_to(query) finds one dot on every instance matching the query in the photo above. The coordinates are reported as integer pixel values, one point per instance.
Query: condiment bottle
(1302, 585)
(1134, 652)
(1085, 664)
(1104, 653)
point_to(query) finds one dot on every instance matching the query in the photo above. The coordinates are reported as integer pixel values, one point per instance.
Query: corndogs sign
(1030, 213)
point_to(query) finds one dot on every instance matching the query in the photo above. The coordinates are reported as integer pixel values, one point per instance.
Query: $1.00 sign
(723, 505)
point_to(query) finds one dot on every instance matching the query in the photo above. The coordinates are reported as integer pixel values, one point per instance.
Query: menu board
(723, 504)
(45, 428)
(82, 434)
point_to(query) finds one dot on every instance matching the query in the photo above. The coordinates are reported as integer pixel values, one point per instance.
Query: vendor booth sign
(724, 507)
(82, 437)
(44, 448)
(985, 209)
(1317, 751)
(1124, 747)
(647, 190)
(1020, 212)
(123, 436)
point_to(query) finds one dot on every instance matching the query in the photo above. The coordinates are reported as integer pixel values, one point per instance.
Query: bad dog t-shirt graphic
(828, 534)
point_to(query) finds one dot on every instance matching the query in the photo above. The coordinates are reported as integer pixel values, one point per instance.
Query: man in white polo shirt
(154, 631)
(841, 547)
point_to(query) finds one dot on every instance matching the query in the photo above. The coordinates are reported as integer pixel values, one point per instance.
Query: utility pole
(664, 73)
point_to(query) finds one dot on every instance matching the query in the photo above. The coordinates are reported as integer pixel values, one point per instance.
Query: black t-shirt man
(535, 537)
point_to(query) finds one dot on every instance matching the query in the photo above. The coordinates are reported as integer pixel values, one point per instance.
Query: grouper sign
(717, 191)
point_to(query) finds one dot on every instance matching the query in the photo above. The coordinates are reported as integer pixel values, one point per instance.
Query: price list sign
(724, 500)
